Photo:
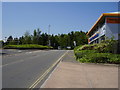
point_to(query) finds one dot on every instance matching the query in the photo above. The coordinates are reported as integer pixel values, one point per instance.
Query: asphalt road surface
(12, 51)
(21, 70)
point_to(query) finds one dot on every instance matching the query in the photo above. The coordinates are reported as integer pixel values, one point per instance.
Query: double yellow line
(45, 73)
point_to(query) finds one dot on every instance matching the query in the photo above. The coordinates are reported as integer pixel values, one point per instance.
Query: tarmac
(72, 74)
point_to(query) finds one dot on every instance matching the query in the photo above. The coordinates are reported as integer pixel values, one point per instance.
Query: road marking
(12, 63)
(21, 60)
(45, 73)
(49, 76)
(20, 52)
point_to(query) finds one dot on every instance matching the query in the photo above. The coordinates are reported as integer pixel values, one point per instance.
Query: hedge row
(97, 53)
(27, 46)
(91, 56)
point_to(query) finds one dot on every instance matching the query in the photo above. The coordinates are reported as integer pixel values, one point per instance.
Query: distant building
(107, 25)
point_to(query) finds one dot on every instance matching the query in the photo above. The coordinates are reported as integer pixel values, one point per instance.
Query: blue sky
(64, 17)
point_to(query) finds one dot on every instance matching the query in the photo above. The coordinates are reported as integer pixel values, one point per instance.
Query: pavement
(72, 74)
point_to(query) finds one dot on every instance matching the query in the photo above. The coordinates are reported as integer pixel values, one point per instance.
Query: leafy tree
(62, 40)
(16, 41)
(21, 40)
(9, 40)
(35, 37)
(44, 39)
(56, 42)
(1, 43)
(27, 38)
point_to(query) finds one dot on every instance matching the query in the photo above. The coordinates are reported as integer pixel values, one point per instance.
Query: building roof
(101, 18)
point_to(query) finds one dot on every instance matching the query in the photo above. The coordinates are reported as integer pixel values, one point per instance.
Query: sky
(0, 20)
(63, 17)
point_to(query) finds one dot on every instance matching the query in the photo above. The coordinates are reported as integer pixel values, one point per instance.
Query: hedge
(97, 53)
(27, 46)
(100, 58)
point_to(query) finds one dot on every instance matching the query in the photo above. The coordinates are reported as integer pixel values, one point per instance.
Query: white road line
(19, 60)
(12, 63)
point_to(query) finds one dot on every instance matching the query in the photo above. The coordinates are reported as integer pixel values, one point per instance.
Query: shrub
(114, 58)
(76, 48)
(87, 47)
(102, 48)
(82, 53)
(27, 46)
(95, 58)
(111, 45)
(108, 46)
(98, 53)
(100, 58)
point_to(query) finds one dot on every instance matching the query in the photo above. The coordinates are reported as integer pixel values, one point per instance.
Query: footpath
(72, 74)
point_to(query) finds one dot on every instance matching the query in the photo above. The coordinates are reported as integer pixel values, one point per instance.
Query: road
(23, 69)
(12, 51)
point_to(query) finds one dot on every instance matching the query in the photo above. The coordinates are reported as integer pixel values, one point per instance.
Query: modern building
(107, 26)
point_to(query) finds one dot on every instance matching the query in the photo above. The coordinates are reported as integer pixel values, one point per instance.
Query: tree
(35, 37)
(9, 40)
(21, 40)
(1, 43)
(27, 38)
(62, 40)
(38, 36)
(56, 42)
(15, 41)
(35, 33)
(44, 39)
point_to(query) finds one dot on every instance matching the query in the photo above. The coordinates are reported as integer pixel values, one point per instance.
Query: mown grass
(27, 46)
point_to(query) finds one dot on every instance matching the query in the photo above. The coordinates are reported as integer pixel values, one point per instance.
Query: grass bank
(27, 46)
(96, 53)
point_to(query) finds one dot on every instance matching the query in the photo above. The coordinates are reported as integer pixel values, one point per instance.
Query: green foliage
(9, 40)
(82, 53)
(100, 58)
(107, 46)
(27, 46)
(27, 38)
(98, 53)
(76, 48)
(87, 47)
(62, 40)
(1, 43)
